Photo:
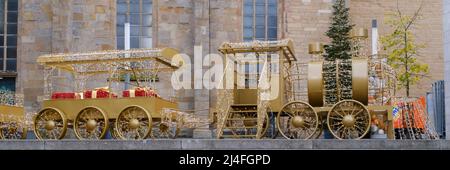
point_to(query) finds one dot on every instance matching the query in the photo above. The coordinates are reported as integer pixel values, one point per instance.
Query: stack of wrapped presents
(140, 92)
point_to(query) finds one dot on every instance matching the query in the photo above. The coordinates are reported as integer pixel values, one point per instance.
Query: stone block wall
(48, 26)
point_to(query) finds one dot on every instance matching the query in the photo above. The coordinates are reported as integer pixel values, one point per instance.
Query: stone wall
(48, 26)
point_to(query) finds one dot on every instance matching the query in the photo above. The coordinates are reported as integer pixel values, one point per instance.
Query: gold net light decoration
(359, 38)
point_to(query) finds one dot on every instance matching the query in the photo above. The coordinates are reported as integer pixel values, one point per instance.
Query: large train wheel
(12, 130)
(297, 120)
(91, 123)
(348, 119)
(133, 122)
(50, 123)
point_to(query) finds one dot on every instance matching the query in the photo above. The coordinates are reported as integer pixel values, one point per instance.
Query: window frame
(142, 33)
(267, 15)
(6, 35)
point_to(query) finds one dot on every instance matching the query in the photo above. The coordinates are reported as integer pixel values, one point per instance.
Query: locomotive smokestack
(374, 37)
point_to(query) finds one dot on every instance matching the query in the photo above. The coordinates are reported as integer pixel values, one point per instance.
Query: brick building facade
(49, 26)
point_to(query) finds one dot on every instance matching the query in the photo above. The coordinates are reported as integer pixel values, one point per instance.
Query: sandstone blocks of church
(48, 26)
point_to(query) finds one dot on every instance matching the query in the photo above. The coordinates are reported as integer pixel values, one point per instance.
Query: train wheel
(164, 129)
(297, 120)
(50, 123)
(348, 119)
(91, 123)
(13, 130)
(133, 122)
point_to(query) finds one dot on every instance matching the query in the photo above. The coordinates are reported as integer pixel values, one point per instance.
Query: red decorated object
(101, 93)
(63, 95)
(140, 92)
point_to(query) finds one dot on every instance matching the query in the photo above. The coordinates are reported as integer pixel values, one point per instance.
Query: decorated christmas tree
(339, 49)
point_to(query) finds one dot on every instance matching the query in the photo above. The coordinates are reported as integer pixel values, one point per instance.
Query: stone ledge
(226, 144)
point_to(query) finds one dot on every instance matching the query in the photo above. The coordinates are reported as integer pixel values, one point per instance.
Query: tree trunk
(406, 63)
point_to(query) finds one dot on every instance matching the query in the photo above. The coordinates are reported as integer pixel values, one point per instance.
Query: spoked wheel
(297, 120)
(91, 123)
(164, 129)
(50, 123)
(244, 125)
(12, 130)
(349, 119)
(133, 123)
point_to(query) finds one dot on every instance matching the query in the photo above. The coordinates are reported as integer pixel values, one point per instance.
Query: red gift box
(140, 92)
(63, 95)
(101, 93)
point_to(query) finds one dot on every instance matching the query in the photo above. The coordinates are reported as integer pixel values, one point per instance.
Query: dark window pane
(147, 1)
(12, 28)
(272, 33)
(260, 33)
(248, 21)
(248, 10)
(273, 10)
(134, 1)
(272, 21)
(248, 39)
(120, 31)
(134, 42)
(146, 31)
(134, 8)
(8, 83)
(122, 8)
(135, 19)
(147, 9)
(134, 31)
(1, 54)
(248, 32)
(11, 41)
(2, 17)
(121, 19)
(260, 21)
(120, 43)
(1, 68)
(11, 52)
(147, 20)
(11, 65)
(12, 17)
(13, 5)
(1, 41)
(260, 2)
(260, 9)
